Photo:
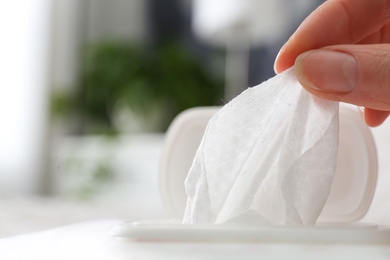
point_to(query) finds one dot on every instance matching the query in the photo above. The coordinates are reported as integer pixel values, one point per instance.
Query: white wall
(123, 19)
(40, 46)
(79, 22)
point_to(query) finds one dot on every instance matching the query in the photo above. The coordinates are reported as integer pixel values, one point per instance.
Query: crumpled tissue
(267, 157)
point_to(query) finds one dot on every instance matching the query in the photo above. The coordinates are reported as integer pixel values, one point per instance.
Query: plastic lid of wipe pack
(354, 182)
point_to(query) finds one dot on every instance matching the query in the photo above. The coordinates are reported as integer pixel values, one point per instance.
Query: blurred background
(91, 86)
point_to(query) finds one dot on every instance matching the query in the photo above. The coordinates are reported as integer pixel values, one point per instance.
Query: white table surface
(91, 239)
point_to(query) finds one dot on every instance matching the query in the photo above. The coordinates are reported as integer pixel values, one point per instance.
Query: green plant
(115, 75)
(83, 179)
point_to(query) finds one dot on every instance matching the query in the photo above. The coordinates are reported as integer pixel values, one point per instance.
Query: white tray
(172, 230)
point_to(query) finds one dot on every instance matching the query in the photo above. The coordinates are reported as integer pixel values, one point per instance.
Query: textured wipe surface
(268, 156)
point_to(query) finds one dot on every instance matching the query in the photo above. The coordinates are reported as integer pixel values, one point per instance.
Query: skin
(354, 31)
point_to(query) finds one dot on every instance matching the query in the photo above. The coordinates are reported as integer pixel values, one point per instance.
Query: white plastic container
(349, 200)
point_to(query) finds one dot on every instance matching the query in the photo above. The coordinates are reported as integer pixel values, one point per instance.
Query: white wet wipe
(268, 157)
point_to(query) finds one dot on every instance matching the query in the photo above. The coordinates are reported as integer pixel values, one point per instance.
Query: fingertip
(372, 117)
(279, 67)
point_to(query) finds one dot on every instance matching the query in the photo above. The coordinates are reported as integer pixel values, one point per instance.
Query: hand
(342, 52)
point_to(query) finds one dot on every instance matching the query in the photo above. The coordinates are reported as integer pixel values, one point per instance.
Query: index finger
(334, 22)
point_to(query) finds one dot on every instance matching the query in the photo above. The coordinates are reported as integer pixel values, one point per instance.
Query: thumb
(357, 74)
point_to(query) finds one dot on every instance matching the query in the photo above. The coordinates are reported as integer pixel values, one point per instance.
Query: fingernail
(328, 71)
(277, 56)
(361, 112)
